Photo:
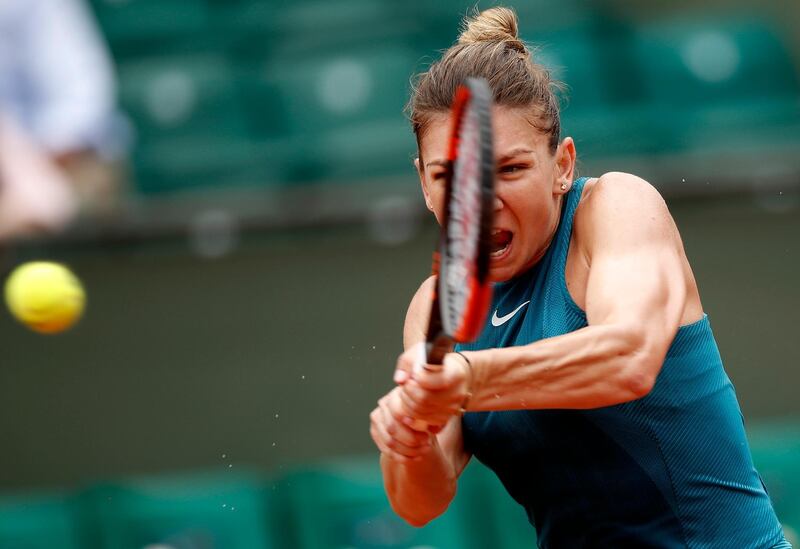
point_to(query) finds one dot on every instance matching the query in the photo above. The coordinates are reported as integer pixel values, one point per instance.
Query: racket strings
(464, 226)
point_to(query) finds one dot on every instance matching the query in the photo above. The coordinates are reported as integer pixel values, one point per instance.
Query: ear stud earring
(563, 186)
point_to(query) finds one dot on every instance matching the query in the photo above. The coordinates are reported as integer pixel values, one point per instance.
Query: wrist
(469, 378)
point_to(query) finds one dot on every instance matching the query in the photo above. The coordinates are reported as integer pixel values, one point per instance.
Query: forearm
(593, 367)
(420, 491)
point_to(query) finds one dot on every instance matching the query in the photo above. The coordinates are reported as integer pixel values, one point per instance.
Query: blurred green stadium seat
(253, 115)
(190, 124)
(180, 95)
(572, 57)
(137, 27)
(342, 110)
(443, 18)
(38, 521)
(602, 122)
(723, 82)
(343, 504)
(219, 511)
(776, 453)
(339, 88)
(562, 15)
(198, 162)
(257, 30)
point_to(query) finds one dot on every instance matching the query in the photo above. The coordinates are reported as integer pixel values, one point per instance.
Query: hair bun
(492, 25)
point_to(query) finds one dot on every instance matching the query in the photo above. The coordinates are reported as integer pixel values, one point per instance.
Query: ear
(565, 166)
(423, 183)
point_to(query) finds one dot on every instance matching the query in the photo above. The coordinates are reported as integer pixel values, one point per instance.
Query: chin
(501, 274)
(504, 263)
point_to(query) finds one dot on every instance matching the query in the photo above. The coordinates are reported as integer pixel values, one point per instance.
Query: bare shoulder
(622, 205)
(418, 313)
(620, 190)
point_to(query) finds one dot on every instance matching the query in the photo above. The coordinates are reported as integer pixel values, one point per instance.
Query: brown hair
(489, 47)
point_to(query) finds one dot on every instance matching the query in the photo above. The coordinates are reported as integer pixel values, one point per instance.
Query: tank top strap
(561, 241)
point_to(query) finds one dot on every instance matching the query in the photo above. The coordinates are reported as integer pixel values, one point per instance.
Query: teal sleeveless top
(672, 469)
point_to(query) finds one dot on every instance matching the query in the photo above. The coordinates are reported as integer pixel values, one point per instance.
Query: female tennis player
(596, 392)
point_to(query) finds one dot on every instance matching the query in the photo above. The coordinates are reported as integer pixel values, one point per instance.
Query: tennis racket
(461, 263)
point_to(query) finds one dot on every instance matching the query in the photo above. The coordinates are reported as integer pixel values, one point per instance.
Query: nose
(498, 203)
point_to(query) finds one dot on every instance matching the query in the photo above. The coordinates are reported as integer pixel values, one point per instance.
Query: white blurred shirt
(56, 76)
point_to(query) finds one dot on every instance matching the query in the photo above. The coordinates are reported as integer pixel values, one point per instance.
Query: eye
(512, 168)
(438, 176)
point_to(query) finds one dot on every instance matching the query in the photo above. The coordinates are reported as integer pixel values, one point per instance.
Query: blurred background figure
(35, 195)
(57, 85)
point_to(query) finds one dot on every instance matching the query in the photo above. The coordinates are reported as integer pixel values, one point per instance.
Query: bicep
(636, 275)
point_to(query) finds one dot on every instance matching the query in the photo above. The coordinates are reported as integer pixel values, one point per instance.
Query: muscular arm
(421, 490)
(635, 298)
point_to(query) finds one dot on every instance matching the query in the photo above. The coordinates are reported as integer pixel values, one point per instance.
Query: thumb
(410, 360)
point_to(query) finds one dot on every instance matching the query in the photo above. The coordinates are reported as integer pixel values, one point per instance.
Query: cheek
(436, 198)
(535, 216)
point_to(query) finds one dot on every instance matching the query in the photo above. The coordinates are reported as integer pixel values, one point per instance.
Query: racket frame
(474, 93)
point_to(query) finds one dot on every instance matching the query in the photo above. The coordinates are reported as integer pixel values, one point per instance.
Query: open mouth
(501, 240)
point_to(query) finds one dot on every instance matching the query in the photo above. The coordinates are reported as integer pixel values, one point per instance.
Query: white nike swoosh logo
(500, 320)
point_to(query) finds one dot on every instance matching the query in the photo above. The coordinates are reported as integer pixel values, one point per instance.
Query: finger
(409, 396)
(430, 424)
(397, 406)
(432, 379)
(417, 414)
(422, 411)
(426, 424)
(401, 432)
(402, 414)
(407, 451)
(392, 426)
(396, 446)
(421, 402)
(380, 438)
(416, 398)
(451, 374)
(384, 441)
(413, 401)
(407, 362)
(388, 452)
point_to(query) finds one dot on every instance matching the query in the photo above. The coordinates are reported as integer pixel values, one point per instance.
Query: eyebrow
(510, 154)
(436, 163)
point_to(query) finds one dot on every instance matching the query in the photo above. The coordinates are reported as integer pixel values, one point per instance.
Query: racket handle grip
(436, 349)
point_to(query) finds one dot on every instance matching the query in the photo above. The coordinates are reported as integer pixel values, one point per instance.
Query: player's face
(527, 186)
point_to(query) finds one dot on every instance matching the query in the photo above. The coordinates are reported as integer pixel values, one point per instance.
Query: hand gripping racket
(461, 263)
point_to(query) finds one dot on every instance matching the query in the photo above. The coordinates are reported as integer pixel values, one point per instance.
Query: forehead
(512, 129)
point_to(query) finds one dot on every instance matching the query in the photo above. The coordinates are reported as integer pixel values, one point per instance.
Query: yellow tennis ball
(45, 296)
